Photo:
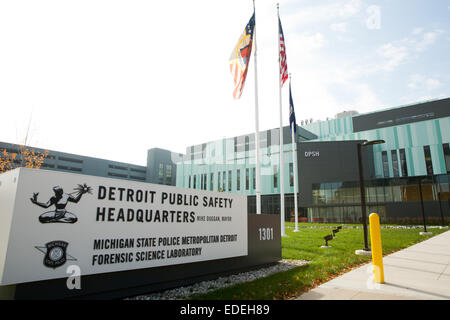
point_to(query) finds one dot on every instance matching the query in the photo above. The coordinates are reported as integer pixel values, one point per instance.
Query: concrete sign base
(112, 238)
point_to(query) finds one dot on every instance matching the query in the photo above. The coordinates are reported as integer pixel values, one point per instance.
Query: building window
(428, 163)
(219, 181)
(247, 179)
(73, 169)
(195, 181)
(291, 174)
(403, 165)
(168, 174)
(204, 151)
(112, 174)
(446, 148)
(418, 117)
(110, 166)
(161, 174)
(394, 162)
(254, 177)
(275, 176)
(229, 180)
(189, 185)
(211, 181)
(74, 160)
(224, 184)
(384, 158)
(238, 180)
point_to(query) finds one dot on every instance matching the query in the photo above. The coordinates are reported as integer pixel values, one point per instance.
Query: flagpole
(294, 160)
(258, 166)
(282, 210)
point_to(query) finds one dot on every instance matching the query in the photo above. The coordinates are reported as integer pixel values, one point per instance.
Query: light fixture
(327, 238)
(366, 250)
(334, 232)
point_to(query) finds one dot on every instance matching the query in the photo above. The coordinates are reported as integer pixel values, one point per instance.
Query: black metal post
(421, 204)
(437, 194)
(363, 197)
(448, 198)
(440, 209)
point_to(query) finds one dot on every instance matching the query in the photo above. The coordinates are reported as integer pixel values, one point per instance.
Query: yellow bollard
(377, 252)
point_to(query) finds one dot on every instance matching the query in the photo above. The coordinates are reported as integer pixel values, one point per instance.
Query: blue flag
(291, 111)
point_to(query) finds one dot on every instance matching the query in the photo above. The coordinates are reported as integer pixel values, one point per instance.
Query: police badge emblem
(55, 253)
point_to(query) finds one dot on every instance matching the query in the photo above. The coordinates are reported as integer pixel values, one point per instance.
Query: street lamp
(425, 232)
(366, 250)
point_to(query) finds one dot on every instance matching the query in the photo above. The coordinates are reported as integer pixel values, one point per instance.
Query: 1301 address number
(265, 234)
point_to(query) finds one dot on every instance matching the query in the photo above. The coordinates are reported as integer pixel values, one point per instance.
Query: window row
(167, 177)
(225, 179)
(400, 168)
(238, 144)
(397, 160)
(383, 190)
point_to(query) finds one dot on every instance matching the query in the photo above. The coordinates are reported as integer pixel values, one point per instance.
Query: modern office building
(406, 177)
(160, 169)
(229, 165)
(408, 172)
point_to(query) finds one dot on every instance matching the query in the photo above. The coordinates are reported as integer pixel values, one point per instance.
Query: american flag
(283, 63)
(240, 58)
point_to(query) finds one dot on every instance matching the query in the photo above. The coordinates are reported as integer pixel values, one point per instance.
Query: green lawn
(325, 263)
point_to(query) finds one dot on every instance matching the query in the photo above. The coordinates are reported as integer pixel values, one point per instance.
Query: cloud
(397, 52)
(420, 40)
(339, 27)
(393, 54)
(417, 31)
(414, 81)
(366, 99)
(428, 39)
(432, 83)
(314, 41)
(420, 82)
(304, 45)
(321, 13)
(350, 8)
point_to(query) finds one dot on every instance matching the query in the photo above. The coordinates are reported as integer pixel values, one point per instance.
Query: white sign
(50, 220)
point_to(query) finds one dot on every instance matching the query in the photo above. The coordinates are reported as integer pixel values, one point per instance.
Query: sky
(114, 78)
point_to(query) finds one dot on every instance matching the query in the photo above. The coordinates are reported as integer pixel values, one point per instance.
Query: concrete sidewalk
(421, 271)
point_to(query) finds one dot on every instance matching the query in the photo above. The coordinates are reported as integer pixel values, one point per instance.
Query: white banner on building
(51, 220)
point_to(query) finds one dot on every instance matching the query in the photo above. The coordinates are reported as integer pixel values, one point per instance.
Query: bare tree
(25, 157)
